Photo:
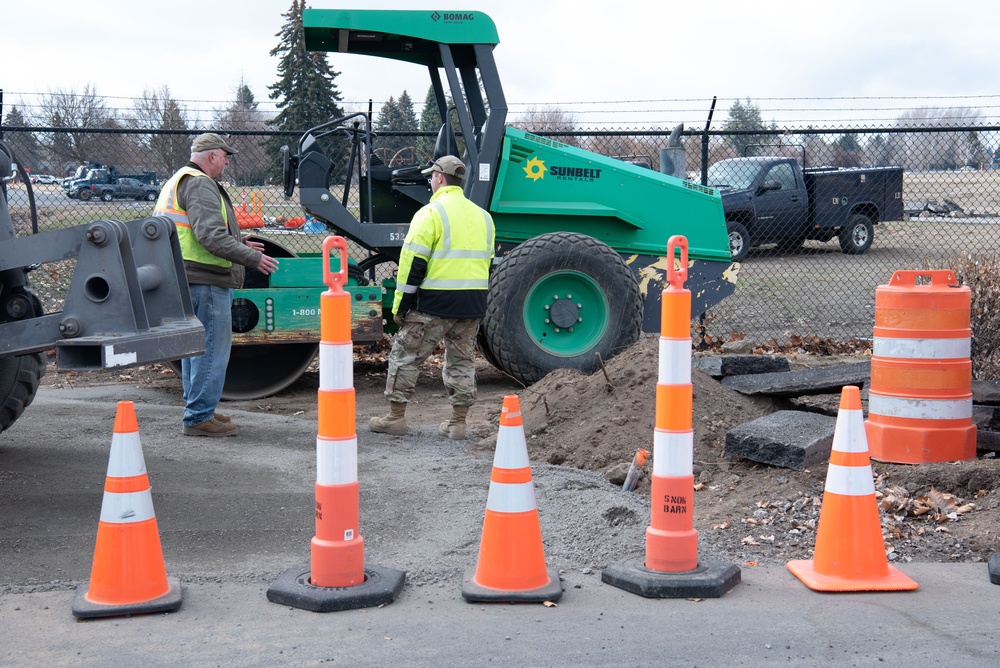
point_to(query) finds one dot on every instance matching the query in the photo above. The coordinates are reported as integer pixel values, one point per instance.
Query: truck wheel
(857, 235)
(85, 194)
(19, 378)
(739, 240)
(556, 301)
(150, 196)
(107, 197)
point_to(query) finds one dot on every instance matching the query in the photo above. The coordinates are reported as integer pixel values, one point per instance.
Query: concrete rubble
(802, 435)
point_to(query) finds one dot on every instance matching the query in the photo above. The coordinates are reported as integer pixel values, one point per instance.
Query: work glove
(399, 318)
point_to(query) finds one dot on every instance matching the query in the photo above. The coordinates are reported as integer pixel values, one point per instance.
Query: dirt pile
(596, 421)
(744, 510)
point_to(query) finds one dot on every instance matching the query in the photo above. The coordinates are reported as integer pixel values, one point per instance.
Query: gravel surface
(424, 496)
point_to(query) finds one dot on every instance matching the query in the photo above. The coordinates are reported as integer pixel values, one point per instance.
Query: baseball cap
(448, 164)
(210, 140)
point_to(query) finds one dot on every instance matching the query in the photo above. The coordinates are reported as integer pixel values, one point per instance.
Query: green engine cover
(546, 186)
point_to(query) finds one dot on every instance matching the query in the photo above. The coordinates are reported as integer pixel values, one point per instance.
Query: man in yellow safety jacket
(444, 271)
(215, 256)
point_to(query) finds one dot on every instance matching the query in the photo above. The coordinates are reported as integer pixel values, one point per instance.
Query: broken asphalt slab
(719, 366)
(821, 380)
(791, 439)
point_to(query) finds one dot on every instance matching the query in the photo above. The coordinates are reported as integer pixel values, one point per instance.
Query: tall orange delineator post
(671, 568)
(338, 578)
(920, 399)
(128, 575)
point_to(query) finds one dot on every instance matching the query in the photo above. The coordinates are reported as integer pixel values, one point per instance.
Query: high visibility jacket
(444, 265)
(167, 205)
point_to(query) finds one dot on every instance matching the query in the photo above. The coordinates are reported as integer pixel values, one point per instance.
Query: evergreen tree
(394, 117)
(387, 114)
(407, 117)
(743, 117)
(847, 151)
(25, 146)
(305, 92)
(430, 121)
(978, 155)
(251, 165)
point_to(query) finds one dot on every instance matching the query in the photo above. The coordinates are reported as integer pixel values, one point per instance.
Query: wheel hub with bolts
(566, 313)
(563, 313)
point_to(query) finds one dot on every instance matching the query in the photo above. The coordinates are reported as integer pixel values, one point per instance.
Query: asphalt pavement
(234, 513)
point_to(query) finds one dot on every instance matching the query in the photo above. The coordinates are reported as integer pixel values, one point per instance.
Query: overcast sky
(665, 59)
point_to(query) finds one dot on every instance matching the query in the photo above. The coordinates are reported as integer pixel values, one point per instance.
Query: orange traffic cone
(511, 566)
(850, 552)
(128, 574)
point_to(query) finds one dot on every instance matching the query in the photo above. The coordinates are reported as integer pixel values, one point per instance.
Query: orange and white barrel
(920, 398)
(337, 549)
(671, 540)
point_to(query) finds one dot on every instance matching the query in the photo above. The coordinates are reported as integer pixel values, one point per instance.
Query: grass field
(818, 291)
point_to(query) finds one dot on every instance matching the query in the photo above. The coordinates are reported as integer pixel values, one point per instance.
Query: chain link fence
(787, 285)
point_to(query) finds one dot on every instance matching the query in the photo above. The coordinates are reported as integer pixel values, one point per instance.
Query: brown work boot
(222, 417)
(211, 427)
(454, 427)
(394, 423)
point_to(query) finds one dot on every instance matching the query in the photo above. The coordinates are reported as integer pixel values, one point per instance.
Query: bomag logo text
(452, 16)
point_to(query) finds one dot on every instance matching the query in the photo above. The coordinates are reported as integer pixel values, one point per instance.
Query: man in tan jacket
(215, 257)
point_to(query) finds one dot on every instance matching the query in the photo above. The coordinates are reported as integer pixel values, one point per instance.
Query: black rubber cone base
(708, 580)
(474, 593)
(381, 586)
(994, 566)
(84, 609)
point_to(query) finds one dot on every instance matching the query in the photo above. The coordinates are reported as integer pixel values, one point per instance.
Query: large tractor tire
(557, 301)
(19, 378)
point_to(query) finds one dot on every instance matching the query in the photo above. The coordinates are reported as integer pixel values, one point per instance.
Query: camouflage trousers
(414, 343)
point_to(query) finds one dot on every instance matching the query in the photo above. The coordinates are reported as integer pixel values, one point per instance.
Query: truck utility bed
(834, 193)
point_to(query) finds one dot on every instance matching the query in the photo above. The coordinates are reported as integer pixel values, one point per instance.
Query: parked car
(43, 178)
(123, 188)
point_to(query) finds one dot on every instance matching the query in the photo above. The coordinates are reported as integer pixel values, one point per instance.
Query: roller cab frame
(581, 237)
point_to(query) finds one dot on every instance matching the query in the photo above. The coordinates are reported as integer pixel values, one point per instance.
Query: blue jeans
(203, 376)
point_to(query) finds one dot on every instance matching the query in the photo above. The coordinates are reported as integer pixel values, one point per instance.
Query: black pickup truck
(126, 188)
(773, 200)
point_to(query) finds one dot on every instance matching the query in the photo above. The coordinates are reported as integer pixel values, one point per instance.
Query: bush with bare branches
(982, 274)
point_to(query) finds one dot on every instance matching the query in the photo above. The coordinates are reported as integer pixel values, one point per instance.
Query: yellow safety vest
(456, 238)
(166, 205)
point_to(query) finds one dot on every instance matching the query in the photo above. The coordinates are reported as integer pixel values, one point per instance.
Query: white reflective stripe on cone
(336, 366)
(919, 409)
(511, 498)
(675, 361)
(941, 349)
(850, 480)
(511, 452)
(125, 507)
(849, 434)
(126, 458)
(336, 461)
(673, 452)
